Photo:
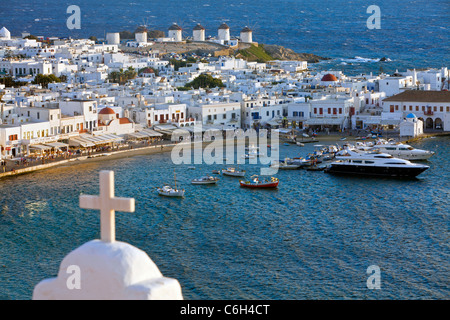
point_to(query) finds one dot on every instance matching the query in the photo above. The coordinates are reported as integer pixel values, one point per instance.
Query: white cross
(107, 203)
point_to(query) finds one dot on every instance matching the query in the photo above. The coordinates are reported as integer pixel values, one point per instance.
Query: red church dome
(329, 77)
(107, 110)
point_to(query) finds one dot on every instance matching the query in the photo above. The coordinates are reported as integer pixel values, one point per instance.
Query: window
(340, 110)
(442, 109)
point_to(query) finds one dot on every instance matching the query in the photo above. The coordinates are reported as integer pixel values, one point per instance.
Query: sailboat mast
(175, 178)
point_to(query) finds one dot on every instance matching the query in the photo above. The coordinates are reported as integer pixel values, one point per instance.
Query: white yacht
(404, 151)
(352, 161)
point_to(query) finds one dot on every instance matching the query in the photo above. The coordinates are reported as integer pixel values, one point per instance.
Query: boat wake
(358, 59)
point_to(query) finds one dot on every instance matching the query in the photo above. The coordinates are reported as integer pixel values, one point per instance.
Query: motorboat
(352, 161)
(205, 180)
(169, 191)
(233, 172)
(284, 165)
(300, 144)
(256, 182)
(404, 151)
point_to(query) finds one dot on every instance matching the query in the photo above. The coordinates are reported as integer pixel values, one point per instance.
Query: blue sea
(413, 34)
(312, 238)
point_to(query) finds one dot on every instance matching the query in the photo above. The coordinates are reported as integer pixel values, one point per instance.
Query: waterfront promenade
(27, 164)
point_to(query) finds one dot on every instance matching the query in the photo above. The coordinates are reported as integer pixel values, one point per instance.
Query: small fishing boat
(255, 182)
(216, 171)
(300, 144)
(205, 180)
(233, 172)
(168, 191)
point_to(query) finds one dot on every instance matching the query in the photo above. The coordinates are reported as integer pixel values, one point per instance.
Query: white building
(432, 107)
(5, 34)
(217, 115)
(411, 126)
(113, 38)
(86, 108)
(198, 33)
(223, 33)
(394, 85)
(176, 33)
(246, 35)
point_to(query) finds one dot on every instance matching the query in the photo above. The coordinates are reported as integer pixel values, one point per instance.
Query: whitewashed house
(432, 107)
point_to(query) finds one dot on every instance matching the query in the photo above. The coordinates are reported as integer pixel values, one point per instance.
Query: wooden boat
(233, 172)
(257, 183)
(216, 171)
(205, 180)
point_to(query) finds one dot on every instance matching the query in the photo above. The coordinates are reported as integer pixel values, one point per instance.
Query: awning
(273, 123)
(151, 133)
(79, 142)
(145, 134)
(101, 139)
(165, 127)
(390, 122)
(57, 145)
(324, 121)
(40, 147)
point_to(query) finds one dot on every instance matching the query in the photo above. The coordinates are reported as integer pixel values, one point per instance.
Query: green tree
(44, 80)
(205, 81)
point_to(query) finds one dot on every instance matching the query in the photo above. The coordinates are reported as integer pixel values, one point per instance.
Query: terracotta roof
(124, 121)
(421, 96)
(107, 110)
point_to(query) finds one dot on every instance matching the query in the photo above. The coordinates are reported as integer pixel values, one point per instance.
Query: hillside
(264, 53)
(282, 53)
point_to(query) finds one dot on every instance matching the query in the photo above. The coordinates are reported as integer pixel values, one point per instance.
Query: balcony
(428, 113)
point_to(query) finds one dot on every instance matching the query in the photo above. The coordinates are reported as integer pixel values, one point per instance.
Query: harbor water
(312, 238)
